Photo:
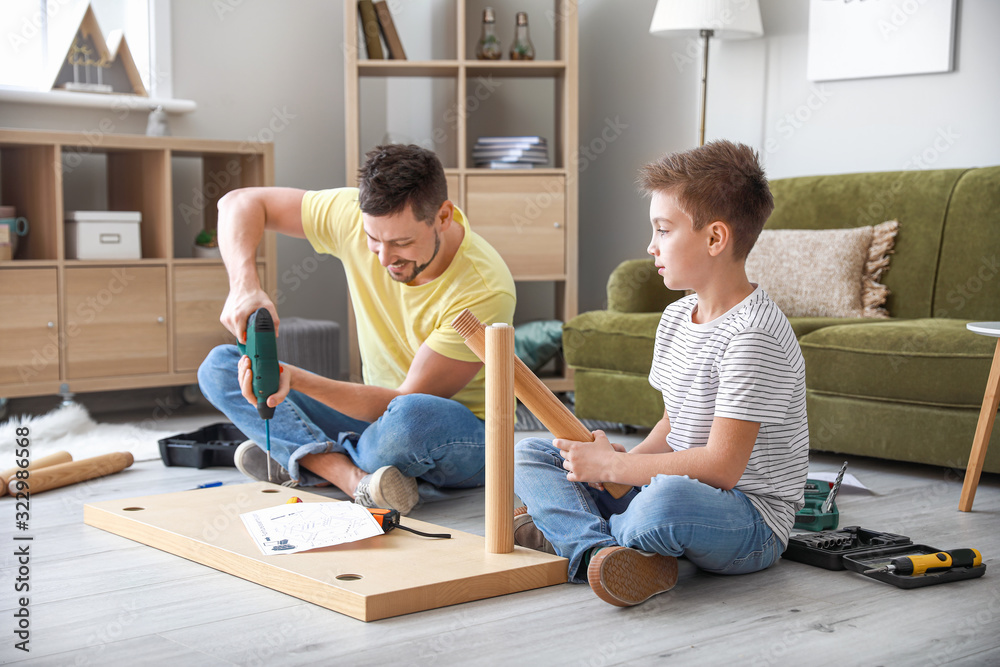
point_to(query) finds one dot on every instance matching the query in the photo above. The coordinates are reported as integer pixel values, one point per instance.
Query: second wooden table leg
(991, 400)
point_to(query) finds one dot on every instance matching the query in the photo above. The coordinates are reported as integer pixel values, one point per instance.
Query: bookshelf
(72, 326)
(529, 215)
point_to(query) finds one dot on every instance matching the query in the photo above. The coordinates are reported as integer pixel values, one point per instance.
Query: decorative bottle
(488, 47)
(522, 49)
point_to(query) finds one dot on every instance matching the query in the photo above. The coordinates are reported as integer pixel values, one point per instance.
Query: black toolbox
(213, 445)
(857, 549)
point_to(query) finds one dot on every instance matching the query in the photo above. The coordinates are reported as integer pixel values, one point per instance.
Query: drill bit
(267, 430)
(828, 503)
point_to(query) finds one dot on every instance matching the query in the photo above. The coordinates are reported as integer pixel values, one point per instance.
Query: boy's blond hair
(721, 180)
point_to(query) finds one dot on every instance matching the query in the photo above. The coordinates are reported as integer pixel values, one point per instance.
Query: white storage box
(103, 235)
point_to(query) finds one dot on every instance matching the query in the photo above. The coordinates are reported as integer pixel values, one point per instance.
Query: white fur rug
(70, 428)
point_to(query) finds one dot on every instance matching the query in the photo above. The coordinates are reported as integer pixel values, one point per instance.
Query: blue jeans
(436, 439)
(719, 531)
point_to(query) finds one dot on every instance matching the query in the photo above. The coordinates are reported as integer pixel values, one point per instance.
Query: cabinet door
(29, 326)
(116, 321)
(199, 295)
(524, 218)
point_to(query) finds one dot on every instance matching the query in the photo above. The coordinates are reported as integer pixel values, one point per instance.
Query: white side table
(991, 400)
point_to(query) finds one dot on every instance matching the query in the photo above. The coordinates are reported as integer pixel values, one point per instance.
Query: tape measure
(389, 519)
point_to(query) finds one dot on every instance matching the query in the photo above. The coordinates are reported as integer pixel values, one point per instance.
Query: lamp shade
(729, 19)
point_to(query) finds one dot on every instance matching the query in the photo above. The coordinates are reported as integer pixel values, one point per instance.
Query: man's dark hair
(721, 180)
(395, 175)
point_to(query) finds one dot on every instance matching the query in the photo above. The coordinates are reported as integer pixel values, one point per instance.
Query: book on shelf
(504, 165)
(510, 152)
(528, 140)
(509, 157)
(392, 41)
(370, 28)
(534, 148)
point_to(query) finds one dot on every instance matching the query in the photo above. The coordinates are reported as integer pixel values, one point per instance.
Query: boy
(722, 473)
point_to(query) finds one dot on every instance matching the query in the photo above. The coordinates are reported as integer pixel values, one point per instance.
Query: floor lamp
(723, 19)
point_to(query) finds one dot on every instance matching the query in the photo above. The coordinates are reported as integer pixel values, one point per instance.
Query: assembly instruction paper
(288, 529)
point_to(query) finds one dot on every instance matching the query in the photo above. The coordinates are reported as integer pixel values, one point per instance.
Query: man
(412, 264)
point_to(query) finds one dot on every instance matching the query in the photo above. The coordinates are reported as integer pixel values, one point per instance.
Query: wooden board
(399, 572)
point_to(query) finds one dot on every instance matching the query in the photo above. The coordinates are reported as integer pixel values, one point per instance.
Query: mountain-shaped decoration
(81, 59)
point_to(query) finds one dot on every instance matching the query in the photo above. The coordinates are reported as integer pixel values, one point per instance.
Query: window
(39, 33)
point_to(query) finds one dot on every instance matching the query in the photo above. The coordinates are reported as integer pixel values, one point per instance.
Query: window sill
(66, 98)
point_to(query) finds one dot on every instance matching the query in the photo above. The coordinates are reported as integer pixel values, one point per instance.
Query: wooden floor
(99, 599)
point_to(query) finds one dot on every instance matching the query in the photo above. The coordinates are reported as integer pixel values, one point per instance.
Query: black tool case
(213, 445)
(857, 549)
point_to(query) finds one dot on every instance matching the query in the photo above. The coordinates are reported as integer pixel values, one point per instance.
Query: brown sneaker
(626, 577)
(526, 533)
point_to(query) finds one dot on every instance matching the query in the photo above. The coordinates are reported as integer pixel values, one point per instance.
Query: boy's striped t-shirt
(744, 365)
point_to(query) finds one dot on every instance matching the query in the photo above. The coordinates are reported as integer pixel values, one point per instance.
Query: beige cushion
(824, 272)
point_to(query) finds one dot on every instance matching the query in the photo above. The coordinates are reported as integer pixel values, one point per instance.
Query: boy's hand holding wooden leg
(590, 462)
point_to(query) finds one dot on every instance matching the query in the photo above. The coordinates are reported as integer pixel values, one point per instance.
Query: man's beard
(419, 268)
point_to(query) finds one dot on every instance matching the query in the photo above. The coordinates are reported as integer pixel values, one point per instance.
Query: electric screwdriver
(262, 348)
(937, 562)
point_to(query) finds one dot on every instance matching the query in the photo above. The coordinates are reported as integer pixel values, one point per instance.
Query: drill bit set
(892, 559)
(820, 512)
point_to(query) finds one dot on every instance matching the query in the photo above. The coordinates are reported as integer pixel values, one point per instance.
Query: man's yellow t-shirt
(394, 318)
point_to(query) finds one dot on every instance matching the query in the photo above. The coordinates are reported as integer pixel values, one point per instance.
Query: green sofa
(908, 388)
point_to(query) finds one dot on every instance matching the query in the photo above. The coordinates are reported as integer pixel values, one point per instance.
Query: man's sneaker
(251, 460)
(526, 533)
(625, 577)
(387, 488)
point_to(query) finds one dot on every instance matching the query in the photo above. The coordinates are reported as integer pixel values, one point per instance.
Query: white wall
(268, 69)
(758, 94)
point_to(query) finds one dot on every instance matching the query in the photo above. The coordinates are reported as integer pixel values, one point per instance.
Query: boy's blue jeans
(436, 439)
(719, 531)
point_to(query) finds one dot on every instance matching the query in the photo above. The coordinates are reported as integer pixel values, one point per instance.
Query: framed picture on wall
(855, 39)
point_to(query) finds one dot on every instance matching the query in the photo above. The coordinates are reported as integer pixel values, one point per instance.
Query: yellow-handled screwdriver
(937, 562)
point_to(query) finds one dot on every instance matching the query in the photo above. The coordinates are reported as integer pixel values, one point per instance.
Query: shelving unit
(530, 216)
(72, 326)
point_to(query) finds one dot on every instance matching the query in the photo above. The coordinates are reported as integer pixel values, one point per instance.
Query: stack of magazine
(510, 152)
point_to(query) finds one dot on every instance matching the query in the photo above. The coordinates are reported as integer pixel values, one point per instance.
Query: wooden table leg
(991, 400)
(500, 408)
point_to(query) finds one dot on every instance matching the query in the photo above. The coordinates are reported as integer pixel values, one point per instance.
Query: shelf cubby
(29, 182)
(529, 215)
(112, 324)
